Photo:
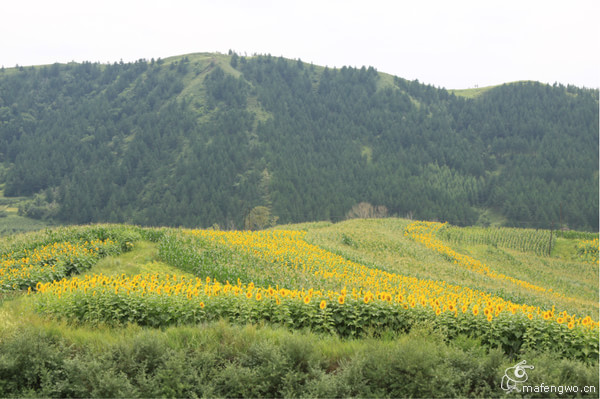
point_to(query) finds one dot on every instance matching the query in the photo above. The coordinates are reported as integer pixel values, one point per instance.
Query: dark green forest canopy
(204, 138)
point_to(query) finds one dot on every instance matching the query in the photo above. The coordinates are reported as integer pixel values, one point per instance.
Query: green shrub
(511, 333)
(222, 360)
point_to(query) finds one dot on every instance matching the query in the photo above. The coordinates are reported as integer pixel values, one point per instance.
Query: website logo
(515, 375)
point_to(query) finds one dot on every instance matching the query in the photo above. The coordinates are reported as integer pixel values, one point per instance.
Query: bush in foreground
(222, 360)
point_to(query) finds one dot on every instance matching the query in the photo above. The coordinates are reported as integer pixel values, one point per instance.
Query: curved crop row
(281, 252)
(322, 291)
(156, 300)
(425, 233)
(24, 269)
(525, 240)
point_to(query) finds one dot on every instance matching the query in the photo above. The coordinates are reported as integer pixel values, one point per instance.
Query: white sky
(447, 43)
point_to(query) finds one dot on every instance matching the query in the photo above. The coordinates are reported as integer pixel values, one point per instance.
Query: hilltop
(204, 139)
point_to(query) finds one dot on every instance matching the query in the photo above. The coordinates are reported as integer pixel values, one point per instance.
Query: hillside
(203, 139)
(362, 308)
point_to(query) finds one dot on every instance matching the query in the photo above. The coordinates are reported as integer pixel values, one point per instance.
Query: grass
(490, 217)
(471, 93)
(381, 243)
(142, 259)
(224, 360)
(366, 152)
(574, 279)
(15, 224)
(202, 64)
(478, 91)
(43, 357)
(564, 249)
(16, 308)
(11, 222)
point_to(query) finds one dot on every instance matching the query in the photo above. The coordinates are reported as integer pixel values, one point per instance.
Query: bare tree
(364, 210)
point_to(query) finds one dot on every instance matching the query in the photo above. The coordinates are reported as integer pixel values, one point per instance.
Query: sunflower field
(587, 250)
(277, 277)
(74, 299)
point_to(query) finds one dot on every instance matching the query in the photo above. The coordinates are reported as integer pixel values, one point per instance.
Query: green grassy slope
(477, 91)
(382, 244)
(13, 223)
(471, 93)
(42, 357)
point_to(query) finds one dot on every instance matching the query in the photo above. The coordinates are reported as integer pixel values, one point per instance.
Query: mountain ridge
(226, 57)
(204, 138)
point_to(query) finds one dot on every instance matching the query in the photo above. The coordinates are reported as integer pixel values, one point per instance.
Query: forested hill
(205, 138)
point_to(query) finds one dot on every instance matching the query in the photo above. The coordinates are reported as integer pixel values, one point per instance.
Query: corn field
(539, 242)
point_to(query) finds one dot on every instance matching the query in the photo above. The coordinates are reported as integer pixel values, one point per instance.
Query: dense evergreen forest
(203, 139)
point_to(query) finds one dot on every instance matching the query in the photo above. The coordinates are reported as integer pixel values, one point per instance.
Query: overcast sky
(454, 44)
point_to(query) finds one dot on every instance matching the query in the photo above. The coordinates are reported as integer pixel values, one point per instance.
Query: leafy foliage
(588, 250)
(302, 286)
(346, 342)
(223, 360)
